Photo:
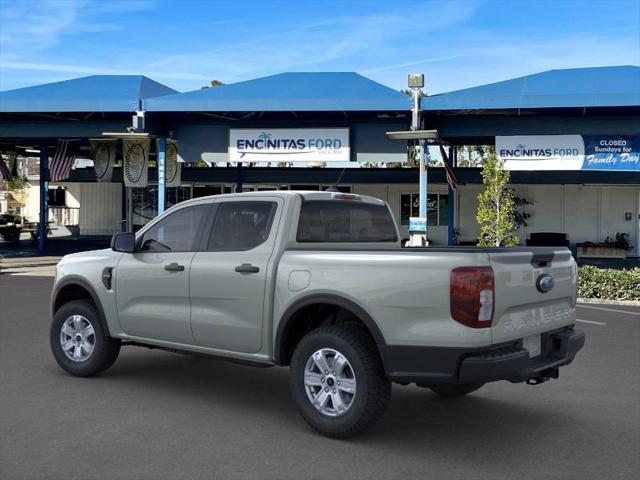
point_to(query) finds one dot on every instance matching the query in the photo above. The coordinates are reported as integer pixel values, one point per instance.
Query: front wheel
(79, 341)
(455, 389)
(337, 381)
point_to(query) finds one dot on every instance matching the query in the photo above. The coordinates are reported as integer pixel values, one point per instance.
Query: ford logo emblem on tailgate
(544, 283)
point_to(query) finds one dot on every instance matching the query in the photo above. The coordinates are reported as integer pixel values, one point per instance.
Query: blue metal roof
(96, 93)
(577, 87)
(298, 92)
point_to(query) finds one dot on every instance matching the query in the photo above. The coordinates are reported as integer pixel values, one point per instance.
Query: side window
(241, 225)
(177, 232)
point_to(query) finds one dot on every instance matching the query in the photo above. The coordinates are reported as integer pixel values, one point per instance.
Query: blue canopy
(577, 87)
(96, 93)
(289, 92)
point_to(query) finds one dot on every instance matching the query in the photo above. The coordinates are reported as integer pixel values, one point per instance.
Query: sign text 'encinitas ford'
(289, 145)
(569, 152)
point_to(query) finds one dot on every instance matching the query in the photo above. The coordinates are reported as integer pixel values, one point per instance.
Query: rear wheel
(338, 382)
(455, 389)
(79, 341)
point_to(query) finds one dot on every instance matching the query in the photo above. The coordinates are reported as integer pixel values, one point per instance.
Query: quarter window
(177, 232)
(241, 225)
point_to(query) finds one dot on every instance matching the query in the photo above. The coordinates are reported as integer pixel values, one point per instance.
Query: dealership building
(570, 137)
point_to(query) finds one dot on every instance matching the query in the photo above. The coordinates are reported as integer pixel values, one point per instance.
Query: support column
(451, 199)
(239, 177)
(162, 180)
(44, 199)
(423, 179)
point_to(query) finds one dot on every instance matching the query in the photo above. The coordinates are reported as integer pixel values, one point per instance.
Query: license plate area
(533, 344)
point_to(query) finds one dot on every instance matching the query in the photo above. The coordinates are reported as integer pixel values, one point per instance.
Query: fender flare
(84, 284)
(286, 321)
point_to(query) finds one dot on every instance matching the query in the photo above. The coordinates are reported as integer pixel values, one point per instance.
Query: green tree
(474, 155)
(497, 208)
(213, 83)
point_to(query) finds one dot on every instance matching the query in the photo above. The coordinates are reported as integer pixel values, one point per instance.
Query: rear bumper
(430, 365)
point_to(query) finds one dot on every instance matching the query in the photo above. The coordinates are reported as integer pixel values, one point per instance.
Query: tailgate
(521, 308)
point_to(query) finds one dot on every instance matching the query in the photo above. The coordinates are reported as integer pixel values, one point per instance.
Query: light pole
(418, 225)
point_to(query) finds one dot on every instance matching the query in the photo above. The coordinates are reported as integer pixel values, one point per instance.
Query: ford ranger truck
(318, 281)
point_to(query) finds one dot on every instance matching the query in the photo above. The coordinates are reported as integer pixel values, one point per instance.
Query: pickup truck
(318, 281)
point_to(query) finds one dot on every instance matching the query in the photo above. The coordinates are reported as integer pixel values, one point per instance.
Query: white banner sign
(541, 152)
(104, 156)
(136, 162)
(289, 145)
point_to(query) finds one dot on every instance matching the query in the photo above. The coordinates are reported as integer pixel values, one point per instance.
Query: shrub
(608, 284)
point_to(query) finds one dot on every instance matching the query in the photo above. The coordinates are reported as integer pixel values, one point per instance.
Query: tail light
(472, 292)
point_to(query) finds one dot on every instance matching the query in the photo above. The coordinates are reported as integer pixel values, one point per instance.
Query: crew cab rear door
(229, 275)
(535, 291)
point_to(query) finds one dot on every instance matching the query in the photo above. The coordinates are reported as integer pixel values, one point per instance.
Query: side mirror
(124, 242)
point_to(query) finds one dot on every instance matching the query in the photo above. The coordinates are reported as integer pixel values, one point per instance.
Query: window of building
(241, 225)
(437, 212)
(176, 195)
(57, 197)
(336, 221)
(177, 232)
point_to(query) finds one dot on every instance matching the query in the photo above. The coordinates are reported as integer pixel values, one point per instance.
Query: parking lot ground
(159, 415)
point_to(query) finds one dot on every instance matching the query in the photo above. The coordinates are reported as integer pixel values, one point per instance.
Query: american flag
(451, 175)
(4, 170)
(62, 160)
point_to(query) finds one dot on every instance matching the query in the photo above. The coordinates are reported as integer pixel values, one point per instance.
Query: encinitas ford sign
(289, 145)
(569, 152)
(541, 152)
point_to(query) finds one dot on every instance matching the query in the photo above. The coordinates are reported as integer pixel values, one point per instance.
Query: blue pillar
(162, 181)
(450, 199)
(44, 199)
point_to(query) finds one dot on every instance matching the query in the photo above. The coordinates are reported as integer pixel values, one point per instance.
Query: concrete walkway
(41, 266)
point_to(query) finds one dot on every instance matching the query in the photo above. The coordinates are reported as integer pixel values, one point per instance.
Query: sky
(185, 44)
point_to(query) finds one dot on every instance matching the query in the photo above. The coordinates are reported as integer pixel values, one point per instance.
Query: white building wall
(100, 208)
(581, 214)
(546, 211)
(615, 203)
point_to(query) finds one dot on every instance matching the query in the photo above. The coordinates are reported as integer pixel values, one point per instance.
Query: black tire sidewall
(331, 426)
(105, 347)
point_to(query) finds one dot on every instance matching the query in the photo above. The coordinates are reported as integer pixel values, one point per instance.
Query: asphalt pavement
(157, 415)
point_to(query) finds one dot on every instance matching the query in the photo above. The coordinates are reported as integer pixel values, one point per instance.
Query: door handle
(247, 268)
(174, 267)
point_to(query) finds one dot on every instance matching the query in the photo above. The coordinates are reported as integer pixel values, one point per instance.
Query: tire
(81, 317)
(455, 389)
(363, 369)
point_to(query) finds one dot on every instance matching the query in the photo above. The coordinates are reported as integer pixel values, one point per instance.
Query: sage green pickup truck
(318, 281)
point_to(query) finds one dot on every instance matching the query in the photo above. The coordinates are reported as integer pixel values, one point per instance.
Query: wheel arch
(74, 287)
(290, 318)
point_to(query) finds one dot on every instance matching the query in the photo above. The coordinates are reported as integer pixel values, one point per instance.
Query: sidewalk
(41, 266)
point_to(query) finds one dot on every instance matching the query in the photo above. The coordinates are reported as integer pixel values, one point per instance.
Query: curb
(602, 301)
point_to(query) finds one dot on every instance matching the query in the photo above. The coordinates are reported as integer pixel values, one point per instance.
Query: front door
(228, 280)
(152, 284)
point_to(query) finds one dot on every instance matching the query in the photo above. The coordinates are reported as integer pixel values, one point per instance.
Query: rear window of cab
(331, 221)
